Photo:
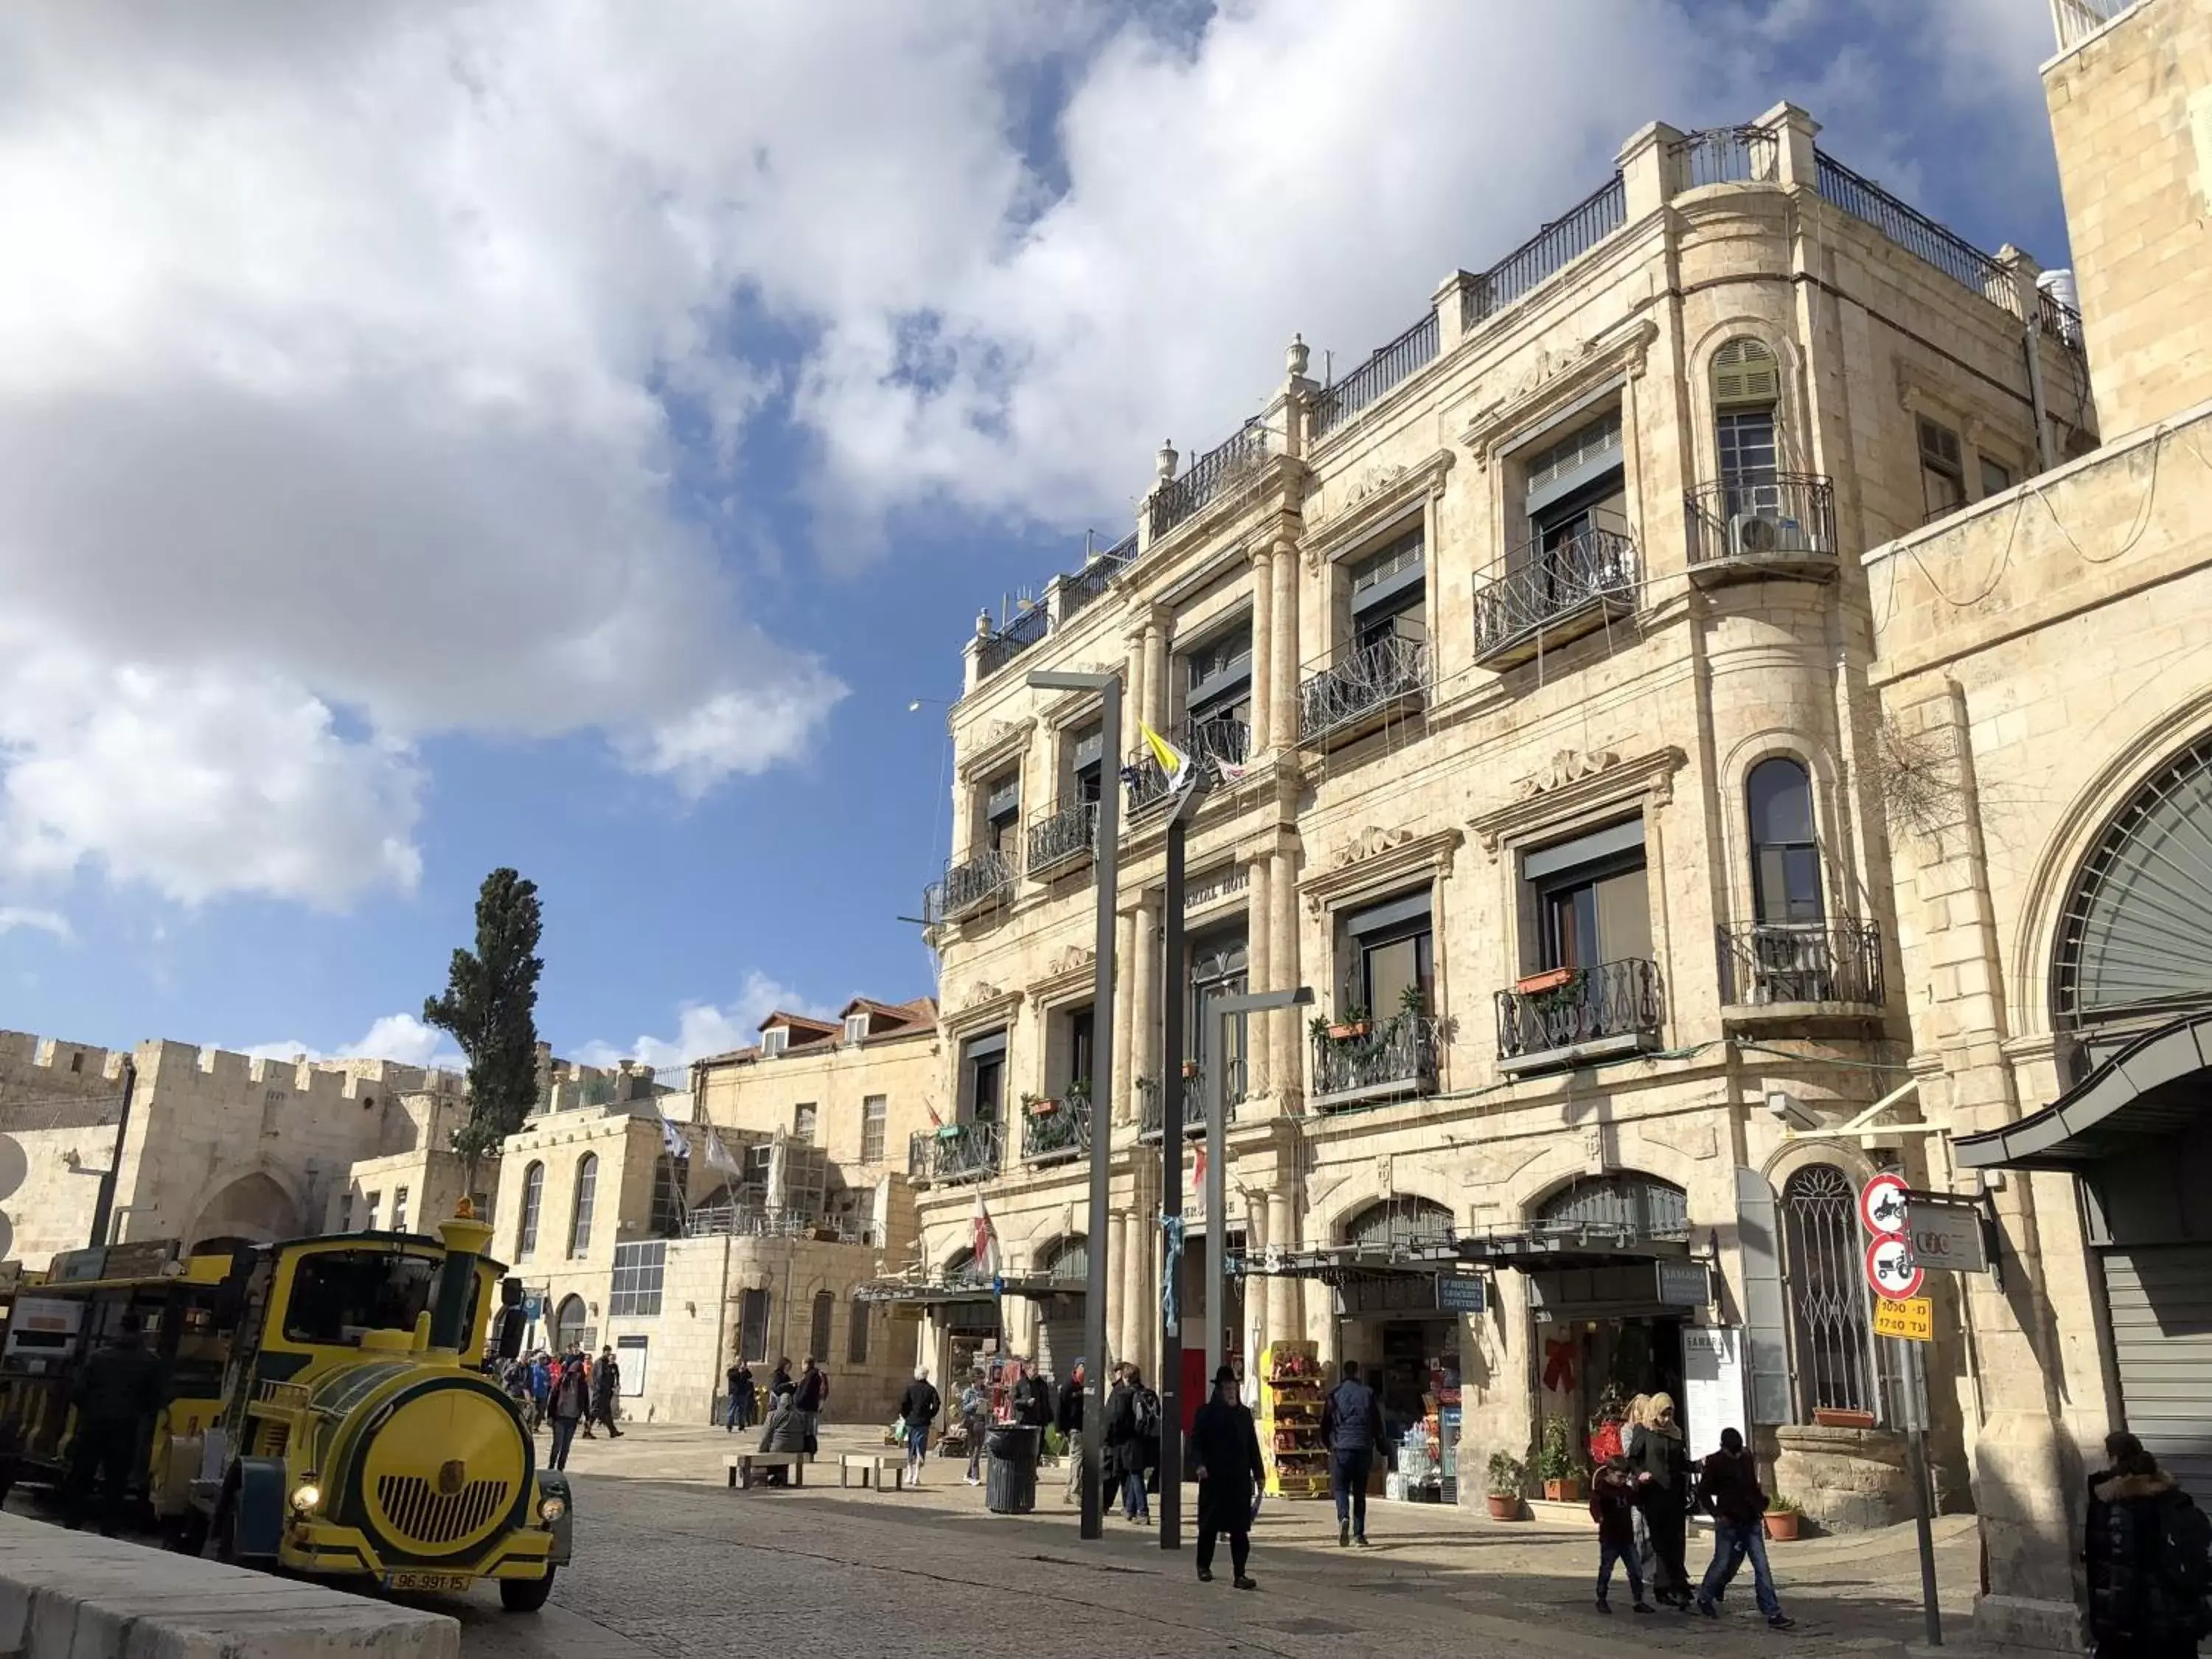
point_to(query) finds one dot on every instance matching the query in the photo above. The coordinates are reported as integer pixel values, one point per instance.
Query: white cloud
(12, 916)
(399, 1037)
(703, 1028)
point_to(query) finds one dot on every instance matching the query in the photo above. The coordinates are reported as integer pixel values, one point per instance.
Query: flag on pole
(1198, 1171)
(981, 1245)
(672, 1142)
(1177, 765)
(720, 1157)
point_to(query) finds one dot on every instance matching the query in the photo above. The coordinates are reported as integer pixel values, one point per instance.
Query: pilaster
(1264, 729)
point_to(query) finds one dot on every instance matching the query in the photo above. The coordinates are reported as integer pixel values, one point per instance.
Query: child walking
(1612, 1506)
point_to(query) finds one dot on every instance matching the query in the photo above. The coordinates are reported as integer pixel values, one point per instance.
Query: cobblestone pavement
(671, 1564)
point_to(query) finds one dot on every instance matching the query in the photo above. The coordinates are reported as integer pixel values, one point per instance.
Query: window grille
(1827, 1299)
(1400, 1221)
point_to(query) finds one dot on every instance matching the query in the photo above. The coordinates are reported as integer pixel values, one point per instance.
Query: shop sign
(1948, 1236)
(1910, 1319)
(1458, 1293)
(142, 1260)
(1684, 1283)
(1890, 1268)
(1712, 1386)
(1414, 1293)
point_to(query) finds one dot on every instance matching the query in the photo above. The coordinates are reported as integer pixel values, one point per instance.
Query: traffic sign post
(1902, 1316)
(1891, 1269)
(1885, 1205)
(1909, 1319)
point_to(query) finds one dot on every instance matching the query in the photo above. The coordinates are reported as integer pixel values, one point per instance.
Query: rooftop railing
(1545, 254)
(2075, 21)
(1725, 155)
(1091, 582)
(1414, 349)
(1211, 477)
(1010, 641)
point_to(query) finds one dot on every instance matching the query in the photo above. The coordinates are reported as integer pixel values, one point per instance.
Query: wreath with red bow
(1559, 1365)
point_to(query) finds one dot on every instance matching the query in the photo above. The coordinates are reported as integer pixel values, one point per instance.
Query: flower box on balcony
(1189, 1070)
(1836, 1418)
(1550, 980)
(1350, 1031)
(1042, 1107)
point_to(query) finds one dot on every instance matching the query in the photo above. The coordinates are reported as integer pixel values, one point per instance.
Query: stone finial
(1298, 356)
(1167, 460)
(983, 624)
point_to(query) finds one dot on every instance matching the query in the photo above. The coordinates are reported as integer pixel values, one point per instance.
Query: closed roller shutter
(2161, 1302)
(1059, 1344)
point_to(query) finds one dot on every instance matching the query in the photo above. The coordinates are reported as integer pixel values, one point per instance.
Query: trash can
(1010, 1482)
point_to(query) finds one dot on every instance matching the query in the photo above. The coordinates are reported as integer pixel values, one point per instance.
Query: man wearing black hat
(1224, 1456)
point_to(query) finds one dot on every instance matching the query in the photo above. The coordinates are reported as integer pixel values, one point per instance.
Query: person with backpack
(1351, 1428)
(1132, 1440)
(1727, 1484)
(2148, 1583)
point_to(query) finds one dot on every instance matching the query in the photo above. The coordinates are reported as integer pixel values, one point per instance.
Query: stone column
(1286, 1063)
(1795, 161)
(1266, 734)
(1283, 1323)
(1105, 1112)
(1155, 672)
(1260, 975)
(1646, 164)
(1144, 996)
(1284, 625)
(1117, 1311)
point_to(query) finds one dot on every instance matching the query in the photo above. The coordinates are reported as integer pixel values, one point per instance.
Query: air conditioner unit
(1752, 533)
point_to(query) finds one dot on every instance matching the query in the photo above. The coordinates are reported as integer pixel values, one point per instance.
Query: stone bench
(875, 1468)
(65, 1594)
(741, 1465)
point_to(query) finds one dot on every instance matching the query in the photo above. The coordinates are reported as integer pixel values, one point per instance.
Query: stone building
(1529, 661)
(2046, 749)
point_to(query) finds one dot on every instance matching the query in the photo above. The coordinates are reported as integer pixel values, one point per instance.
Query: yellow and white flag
(1173, 761)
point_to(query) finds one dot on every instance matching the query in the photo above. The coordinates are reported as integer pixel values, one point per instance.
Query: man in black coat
(1224, 1457)
(116, 1393)
(1069, 1421)
(606, 1389)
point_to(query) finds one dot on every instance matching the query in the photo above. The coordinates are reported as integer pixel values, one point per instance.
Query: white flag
(982, 1242)
(675, 1144)
(719, 1157)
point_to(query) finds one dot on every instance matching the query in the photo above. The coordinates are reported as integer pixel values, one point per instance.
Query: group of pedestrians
(568, 1391)
(795, 1405)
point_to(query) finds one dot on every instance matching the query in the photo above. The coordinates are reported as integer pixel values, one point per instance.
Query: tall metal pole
(1217, 1209)
(1916, 1457)
(1106, 871)
(1172, 988)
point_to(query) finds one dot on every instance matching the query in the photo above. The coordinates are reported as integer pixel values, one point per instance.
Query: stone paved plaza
(672, 1563)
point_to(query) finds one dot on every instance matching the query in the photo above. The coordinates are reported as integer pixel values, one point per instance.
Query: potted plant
(1508, 1476)
(1783, 1517)
(1412, 1003)
(1189, 1071)
(1556, 1466)
(1351, 1025)
(1550, 979)
(1039, 1105)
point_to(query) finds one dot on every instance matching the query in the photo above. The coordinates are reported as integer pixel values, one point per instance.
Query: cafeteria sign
(1910, 1319)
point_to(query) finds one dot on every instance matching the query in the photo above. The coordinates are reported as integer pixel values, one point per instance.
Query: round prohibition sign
(1884, 1211)
(1891, 1269)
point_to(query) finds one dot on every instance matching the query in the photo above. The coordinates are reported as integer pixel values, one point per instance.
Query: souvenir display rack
(1291, 1402)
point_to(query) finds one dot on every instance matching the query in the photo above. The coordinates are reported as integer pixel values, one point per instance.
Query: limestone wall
(762, 1094)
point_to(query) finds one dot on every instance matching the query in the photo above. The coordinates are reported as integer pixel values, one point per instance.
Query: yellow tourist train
(322, 1411)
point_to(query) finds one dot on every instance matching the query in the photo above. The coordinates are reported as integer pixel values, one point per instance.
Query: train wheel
(525, 1595)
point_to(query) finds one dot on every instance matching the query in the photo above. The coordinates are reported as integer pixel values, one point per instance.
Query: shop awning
(2155, 1087)
(1339, 1264)
(1541, 1250)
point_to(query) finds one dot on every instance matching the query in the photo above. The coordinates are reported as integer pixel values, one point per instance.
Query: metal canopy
(1341, 1264)
(938, 1293)
(2155, 1087)
(1541, 1250)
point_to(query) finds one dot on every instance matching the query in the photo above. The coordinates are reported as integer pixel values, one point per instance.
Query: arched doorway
(963, 1326)
(1067, 1263)
(1390, 1322)
(569, 1329)
(251, 1209)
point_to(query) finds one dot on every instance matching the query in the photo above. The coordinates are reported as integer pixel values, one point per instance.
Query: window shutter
(1746, 371)
(1766, 1337)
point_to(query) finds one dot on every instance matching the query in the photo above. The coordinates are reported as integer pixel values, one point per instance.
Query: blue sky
(448, 436)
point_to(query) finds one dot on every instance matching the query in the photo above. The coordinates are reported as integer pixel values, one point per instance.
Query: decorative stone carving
(1567, 766)
(1075, 958)
(1693, 1138)
(980, 992)
(1370, 842)
(1298, 356)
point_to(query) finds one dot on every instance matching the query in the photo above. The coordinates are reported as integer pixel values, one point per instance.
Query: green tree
(490, 1007)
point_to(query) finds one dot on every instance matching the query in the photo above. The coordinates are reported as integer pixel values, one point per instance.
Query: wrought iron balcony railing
(1558, 591)
(1573, 1014)
(1063, 836)
(1545, 254)
(1764, 963)
(969, 886)
(1091, 582)
(1151, 1110)
(1788, 518)
(1415, 349)
(1725, 155)
(1016, 636)
(1370, 681)
(1055, 1131)
(1213, 476)
(2075, 21)
(1214, 742)
(1393, 1057)
(954, 1153)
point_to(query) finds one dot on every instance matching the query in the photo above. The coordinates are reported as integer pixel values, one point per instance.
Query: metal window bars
(1547, 253)
(1151, 1111)
(1780, 513)
(1588, 1005)
(1827, 1299)
(1370, 678)
(1395, 1056)
(1537, 587)
(1387, 365)
(968, 885)
(2075, 21)
(1213, 743)
(1766, 962)
(1212, 476)
(1724, 155)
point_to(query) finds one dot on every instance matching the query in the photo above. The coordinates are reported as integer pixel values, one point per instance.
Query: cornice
(985, 1005)
(1553, 381)
(1074, 969)
(1574, 784)
(1006, 743)
(1380, 498)
(1374, 858)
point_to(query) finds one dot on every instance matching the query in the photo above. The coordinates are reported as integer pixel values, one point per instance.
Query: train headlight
(305, 1496)
(551, 1509)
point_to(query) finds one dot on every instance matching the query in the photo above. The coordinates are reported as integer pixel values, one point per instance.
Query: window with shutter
(1745, 371)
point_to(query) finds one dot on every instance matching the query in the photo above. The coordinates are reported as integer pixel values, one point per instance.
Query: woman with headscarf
(1661, 1466)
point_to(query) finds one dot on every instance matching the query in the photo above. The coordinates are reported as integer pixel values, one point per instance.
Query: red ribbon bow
(1559, 1365)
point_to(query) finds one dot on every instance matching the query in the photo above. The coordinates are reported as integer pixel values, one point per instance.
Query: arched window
(669, 1176)
(1747, 384)
(1827, 1299)
(1641, 1206)
(1066, 1260)
(856, 1336)
(1785, 858)
(587, 1184)
(1400, 1221)
(533, 1196)
(825, 1316)
(568, 1327)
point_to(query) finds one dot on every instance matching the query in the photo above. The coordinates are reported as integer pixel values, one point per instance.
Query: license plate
(443, 1582)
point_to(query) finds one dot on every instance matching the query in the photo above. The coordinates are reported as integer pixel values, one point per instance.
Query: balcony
(1387, 1061)
(1782, 971)
(1216, 476)
(1063, 840)
(1215, 744)
(1784, 527)
(1371, 686)
(1724, 155)
(1055, 1131)
(1000, 648)
(1539, 597)
(969, 887)
(1570, 1017)
(1151, 1111)
(953, 1152)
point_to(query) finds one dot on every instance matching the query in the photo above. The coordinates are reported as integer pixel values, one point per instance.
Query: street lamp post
(1216, 1182)
(1106, 876)
(1174, 985)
